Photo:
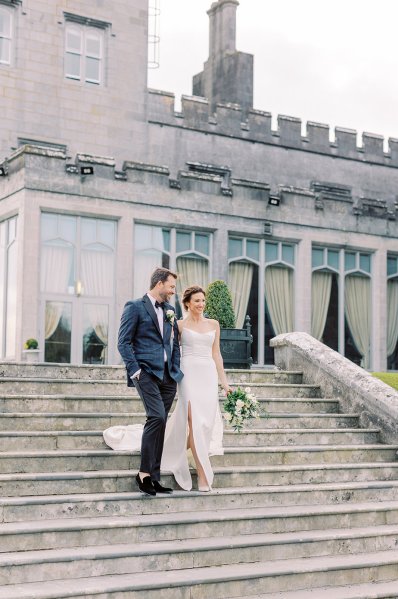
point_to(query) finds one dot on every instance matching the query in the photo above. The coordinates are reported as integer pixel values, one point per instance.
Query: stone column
(302, 287)
(222, 27)
(379, 311)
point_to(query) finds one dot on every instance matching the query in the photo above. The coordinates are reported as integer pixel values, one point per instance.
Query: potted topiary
(235, 344)
(31, 350)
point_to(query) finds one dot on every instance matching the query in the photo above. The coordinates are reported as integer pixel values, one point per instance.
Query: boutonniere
(170, 316)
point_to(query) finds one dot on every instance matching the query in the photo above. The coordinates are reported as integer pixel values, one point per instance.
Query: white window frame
(8, 37)
(85, 32)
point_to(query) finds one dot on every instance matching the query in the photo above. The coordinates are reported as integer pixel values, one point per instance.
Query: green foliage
(219, 304)
(31, 344)
(390, 378)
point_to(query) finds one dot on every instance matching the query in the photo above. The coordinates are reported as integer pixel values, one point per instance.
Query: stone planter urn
(31, 356)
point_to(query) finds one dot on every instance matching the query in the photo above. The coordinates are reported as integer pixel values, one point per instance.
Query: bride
(196, 422)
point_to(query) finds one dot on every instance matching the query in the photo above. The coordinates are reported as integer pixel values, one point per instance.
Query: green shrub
(31, 344)
(219, 304)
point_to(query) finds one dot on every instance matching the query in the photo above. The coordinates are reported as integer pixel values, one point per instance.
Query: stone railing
(357, 390)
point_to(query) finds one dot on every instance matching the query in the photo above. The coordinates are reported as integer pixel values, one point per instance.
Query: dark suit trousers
(157, 397)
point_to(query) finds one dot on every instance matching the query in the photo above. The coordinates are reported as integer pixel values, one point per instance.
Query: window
(392, 312)
(6, 28)
(186, 252)
(84, 53)
(268, 265)
(8, 287)
(344, 326)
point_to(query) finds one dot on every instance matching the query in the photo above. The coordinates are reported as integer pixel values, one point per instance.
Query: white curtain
(357, 311)
(240, 282)
(321, 288)
(55, 268)
(98, 318)
(145, 264)
(52, 317)
(97, 273)
(392, 319)
(191, 271)
(279, 296)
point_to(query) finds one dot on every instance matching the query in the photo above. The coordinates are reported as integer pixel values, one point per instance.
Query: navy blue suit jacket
(141, 344)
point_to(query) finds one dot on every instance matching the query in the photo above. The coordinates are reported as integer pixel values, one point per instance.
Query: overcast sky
(330, 61)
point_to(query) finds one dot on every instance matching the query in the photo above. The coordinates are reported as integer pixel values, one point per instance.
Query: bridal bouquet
(240, 405)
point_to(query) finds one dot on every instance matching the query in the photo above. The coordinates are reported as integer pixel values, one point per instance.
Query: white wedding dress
(199, 387)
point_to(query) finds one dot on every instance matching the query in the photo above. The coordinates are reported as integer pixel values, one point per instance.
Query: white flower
(247, 389)
(228, 416)
(170, 316)
(240, 404)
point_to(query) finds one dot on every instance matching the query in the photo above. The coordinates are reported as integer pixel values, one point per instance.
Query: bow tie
(159, 304)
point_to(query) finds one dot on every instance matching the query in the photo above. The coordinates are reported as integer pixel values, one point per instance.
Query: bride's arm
(217, 357)
(180, 327)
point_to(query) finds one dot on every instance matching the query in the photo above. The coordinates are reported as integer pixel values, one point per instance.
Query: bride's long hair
(187, 294)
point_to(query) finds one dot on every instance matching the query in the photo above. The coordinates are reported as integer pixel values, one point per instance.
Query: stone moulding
(357, 390)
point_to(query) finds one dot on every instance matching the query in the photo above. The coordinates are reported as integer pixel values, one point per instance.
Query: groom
(148, 344)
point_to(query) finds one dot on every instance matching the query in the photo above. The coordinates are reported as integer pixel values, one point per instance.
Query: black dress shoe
(145, 485)
(159, 488)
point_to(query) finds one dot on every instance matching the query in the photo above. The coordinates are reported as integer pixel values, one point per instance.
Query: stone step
(368, 590)
(219, 582)
(52, 440)
(115, 481)
(95, 387)
(49, 507)
(89, 460)
(85, 532)
(77, 562)
(81, 403)
(75, 421)
(98, 372)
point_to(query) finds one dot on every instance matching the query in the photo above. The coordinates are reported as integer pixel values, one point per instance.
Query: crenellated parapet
(228, 120)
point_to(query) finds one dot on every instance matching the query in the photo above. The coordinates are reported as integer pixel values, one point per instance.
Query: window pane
(72, 66)
(48, 226)
(288, 253)
(92, 70)
(95, 334)
(74, 41)
(333, 259)
(5, 23)
(106, 232)
(364, 262)
(93, 46)
(202, 243)
(12, 229)
(349, 261)
(97, 272)
(317, 257)
(271, 252)
(392, 265)
(88, 231)
(67, 228)
(5, 51)
(57, 267)
(166, 239)
(235, 248)
(252, 249)
(148, 237)
(58, 325)
(183, 241)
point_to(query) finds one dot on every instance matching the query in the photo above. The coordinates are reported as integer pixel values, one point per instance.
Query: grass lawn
(391, 378)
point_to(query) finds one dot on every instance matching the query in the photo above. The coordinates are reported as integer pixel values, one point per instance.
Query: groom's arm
(127, 330)
(175, 357)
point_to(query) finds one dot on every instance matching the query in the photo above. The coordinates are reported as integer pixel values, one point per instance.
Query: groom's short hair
(160, 274)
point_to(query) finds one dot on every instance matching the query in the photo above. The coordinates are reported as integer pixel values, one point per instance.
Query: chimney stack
(227, 76)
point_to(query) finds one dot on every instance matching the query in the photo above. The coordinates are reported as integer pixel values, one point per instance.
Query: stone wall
(357, 390)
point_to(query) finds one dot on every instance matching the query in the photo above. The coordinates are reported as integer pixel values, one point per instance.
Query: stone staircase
(305, 503)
